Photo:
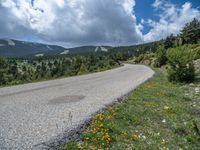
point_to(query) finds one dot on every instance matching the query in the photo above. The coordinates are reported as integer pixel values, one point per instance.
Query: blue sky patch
(145, 10)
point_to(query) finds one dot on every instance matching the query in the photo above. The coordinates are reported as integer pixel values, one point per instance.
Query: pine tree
(169, 42)
(191, 32)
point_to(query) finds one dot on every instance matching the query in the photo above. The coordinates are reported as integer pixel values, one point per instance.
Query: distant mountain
(15, 48)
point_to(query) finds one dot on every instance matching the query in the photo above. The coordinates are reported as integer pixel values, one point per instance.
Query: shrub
(181, 67)
(161, 57)
(82, 70)
(197, 53)
(146, 59)
(139, 58)
(3, 71)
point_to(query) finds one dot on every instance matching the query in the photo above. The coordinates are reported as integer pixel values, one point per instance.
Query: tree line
(15, 71)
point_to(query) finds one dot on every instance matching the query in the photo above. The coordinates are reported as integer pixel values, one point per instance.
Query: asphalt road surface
(35, 114)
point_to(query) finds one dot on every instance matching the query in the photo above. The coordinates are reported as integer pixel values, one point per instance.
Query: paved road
(37, 113)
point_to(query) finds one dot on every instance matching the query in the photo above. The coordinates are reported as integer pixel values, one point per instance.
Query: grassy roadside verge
(158, 115)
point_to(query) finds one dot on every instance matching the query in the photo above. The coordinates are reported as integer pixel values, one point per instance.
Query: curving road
(33, 116)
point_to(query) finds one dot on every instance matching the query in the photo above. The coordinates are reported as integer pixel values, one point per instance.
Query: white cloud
(84, 22)
(71, 22)
(157, 3)
(172, 19)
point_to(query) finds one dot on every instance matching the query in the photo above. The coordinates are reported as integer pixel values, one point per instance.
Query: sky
(73, 23)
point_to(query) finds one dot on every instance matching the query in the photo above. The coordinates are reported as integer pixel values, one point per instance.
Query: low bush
(197, 53)
(146, 59)
(181, 67)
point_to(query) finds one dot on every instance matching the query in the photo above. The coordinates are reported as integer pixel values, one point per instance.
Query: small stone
(186, 94)
(191, 84)
(197, 90)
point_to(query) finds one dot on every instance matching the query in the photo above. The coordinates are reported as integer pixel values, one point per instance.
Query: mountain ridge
(16, 48)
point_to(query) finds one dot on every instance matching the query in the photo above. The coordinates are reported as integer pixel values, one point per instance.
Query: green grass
(158, 115)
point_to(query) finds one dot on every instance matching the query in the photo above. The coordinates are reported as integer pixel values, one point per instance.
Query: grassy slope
(158, 115)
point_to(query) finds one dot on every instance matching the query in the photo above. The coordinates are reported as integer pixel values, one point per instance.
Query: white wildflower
(144, 137)
(166, 107)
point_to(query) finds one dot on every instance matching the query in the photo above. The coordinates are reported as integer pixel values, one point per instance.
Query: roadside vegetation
(158, 115)
(177, 54)
(163, 113)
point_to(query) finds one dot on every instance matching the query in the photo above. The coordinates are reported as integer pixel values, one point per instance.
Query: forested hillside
(79, 61)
